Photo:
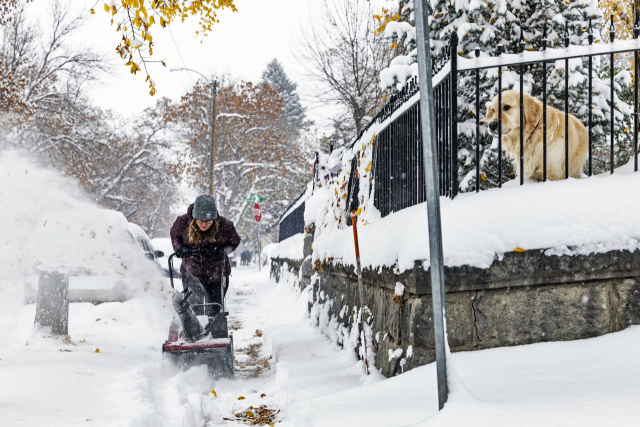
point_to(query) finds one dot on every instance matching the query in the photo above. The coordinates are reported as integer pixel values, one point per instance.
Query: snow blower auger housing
(191, 344)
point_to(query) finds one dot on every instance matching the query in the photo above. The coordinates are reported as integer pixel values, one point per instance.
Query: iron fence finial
(477, 51)
(590, 32)
(544, 36)
(636, 27)
(612, 30)
(566, 34)
(521, 39)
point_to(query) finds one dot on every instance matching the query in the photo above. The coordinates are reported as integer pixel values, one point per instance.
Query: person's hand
(183, 252)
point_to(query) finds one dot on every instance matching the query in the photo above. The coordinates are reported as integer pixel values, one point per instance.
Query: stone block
(506, 317)
(306, 269)
(628, 293)
(460, 327)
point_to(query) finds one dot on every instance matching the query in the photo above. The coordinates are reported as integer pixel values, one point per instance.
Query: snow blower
(192, 344)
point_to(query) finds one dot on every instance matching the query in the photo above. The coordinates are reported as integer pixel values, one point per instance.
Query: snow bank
(583, 216)
(291, 248)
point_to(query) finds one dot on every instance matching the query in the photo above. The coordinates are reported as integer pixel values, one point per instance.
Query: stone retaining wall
(523, 298)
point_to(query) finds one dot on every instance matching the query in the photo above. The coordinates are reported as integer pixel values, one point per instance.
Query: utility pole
(212, 127)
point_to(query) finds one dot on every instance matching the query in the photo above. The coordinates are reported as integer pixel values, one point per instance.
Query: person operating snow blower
(197, 238)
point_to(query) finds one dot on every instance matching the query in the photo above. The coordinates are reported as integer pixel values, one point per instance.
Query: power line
(180, 55)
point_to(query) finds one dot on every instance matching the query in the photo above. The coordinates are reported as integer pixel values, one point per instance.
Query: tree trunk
(52, 307)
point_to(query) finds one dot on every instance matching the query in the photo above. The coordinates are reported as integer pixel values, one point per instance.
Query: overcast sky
(241, 44)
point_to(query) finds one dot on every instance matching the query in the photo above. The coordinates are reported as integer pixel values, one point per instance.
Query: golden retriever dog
(532, 146)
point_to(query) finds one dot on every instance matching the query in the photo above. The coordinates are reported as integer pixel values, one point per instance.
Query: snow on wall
(591, 215)
(290, 248)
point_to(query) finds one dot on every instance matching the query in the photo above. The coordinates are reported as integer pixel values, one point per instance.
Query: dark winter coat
(203, 267)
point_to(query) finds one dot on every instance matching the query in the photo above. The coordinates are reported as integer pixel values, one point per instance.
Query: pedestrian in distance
(203, 239)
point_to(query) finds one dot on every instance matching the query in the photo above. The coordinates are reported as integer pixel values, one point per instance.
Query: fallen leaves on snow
(261, 416)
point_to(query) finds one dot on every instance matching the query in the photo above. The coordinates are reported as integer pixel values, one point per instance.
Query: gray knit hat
(205, 208)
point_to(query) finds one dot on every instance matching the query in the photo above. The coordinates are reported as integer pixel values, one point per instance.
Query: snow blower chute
(192, 344)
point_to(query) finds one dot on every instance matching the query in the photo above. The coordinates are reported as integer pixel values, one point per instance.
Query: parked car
(142, 239)
(87, 286)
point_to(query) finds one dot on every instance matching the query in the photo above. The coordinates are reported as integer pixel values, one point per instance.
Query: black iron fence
(292, 220)
(398, 159)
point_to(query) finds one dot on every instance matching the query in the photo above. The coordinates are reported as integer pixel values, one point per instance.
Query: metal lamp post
(212, 127)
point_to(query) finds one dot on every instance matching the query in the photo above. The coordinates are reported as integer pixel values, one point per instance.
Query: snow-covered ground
(284, 364)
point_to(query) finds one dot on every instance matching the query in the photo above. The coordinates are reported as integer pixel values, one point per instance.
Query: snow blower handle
(170, 262)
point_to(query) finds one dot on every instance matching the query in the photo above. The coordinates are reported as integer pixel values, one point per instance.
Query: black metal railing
(398, 160)
(292, 219)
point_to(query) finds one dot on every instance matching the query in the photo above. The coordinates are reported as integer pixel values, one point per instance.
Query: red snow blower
(192, 344)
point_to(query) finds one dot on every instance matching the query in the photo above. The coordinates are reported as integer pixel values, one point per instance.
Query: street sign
(253, 199)
(257, 212)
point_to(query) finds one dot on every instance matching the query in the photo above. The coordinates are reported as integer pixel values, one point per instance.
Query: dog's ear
(532, 110)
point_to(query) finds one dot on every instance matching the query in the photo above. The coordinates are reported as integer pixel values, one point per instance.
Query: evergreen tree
(294, 113)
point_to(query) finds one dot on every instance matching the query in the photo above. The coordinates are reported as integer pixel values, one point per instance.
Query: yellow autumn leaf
(162, 22)
(249, 414)
(214, 393)
(151, 20)
(106, 8)
(368, 168)
(93, 12)
(358, 211)
(241, 398)
(97, 350)
(519, 250)
(482, 177)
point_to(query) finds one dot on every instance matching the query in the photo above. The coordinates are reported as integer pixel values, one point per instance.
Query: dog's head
(511, 113)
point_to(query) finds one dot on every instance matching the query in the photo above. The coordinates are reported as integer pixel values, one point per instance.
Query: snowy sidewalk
(300, 378)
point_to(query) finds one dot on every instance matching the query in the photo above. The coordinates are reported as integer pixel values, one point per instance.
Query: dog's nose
(493, 126)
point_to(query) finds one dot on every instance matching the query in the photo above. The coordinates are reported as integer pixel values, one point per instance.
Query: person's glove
(183, 252)
(213, 250)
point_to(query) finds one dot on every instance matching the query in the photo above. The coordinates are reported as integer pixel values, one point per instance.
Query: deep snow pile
(47, 223)
(583, 216)
(290, 248)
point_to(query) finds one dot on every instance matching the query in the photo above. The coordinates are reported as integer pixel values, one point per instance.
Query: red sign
(257, 212)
